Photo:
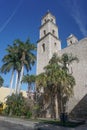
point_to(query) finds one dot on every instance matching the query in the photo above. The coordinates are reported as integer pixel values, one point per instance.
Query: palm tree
(67, 59)
(1, 81)
(27, 57)
(66, 81)
(42, 96)
(65, 90)
(49, 80)
(18, 56)
(53, 70)
(59, 81)
(29, 79)
(11, 62)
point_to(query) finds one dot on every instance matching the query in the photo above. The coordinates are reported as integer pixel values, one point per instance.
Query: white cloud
(10, 17)
(78, 13)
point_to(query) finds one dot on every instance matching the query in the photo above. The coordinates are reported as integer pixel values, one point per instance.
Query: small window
(53, 31)
(51, 20)
(44, 32)
(55, 44)
(45, 20)
(70, 41)
(43, 47)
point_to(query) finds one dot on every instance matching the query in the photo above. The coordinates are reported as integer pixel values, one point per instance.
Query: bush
(16, 106)
(1, 107)
(28, 114)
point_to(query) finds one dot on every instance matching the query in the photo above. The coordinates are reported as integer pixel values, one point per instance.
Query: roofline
(47, 35)
(48, 12)
(47, 22)
(71, 36)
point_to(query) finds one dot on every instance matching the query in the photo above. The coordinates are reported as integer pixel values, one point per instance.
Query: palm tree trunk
(16, 82)
(11, 82)
(21, 76)
(56, 107)
(52, 106)
(29, 87)
(61, 104)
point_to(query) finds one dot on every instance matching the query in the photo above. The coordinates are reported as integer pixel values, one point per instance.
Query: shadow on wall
(80, 110)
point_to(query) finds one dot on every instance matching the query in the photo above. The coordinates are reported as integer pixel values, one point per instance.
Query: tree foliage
(19, 56)
(1, 81)
(17, 105)
(30, 80)
(56, 80)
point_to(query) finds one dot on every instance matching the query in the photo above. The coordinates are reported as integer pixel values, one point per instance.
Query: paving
(11, 126)
(7, 123)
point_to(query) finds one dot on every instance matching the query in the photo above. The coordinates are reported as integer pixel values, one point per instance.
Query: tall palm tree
(53, 70)
(19, 55)
(49, 80)
(65, 81)
(42, 96)
(59, 81)
(65, 89)
(27, 57)
(11, 62)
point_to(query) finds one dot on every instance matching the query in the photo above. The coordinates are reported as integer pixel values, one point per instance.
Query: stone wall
(79, 71)
(52, 45)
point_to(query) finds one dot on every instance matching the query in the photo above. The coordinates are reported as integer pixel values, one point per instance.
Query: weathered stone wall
(42, 57)
(48, 27)
(79, 71)
(52, 45)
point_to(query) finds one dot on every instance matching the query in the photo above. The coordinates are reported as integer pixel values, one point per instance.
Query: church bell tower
(48, 42)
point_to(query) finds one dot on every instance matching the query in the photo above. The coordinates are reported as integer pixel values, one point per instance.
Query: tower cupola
(48, 25)
(72, 39)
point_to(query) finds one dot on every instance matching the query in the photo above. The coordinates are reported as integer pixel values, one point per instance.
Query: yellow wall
(4, 92)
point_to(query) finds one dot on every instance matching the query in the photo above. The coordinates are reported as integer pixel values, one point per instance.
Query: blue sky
(22, 19)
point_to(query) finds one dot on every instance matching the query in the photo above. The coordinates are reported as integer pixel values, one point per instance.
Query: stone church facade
(49, 43)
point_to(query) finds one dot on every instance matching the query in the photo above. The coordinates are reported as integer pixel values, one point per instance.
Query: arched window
(45, 20)
(51, 20)
(55, 44)
(43, 47)
(53, 31)
(70, 41)
(44, 32)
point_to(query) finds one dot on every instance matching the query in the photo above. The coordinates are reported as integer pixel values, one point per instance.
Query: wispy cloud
(78, 14)
(10, 17)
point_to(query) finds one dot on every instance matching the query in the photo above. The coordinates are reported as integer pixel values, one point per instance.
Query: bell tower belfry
(48, 42)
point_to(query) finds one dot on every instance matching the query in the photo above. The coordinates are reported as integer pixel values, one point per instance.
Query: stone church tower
(48, 42)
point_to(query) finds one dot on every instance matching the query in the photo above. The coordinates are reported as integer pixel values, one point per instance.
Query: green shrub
(15, 105)
(1, 107)
(28, 114)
